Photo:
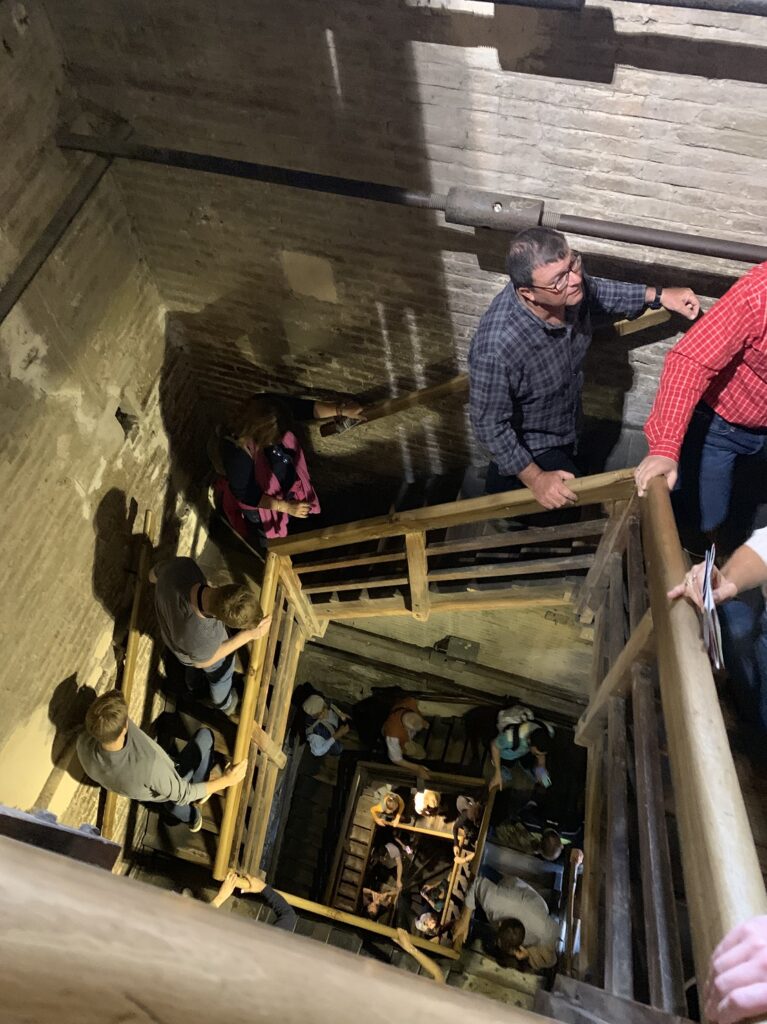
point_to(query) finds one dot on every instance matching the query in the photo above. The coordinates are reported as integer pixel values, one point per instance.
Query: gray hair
(531, 248)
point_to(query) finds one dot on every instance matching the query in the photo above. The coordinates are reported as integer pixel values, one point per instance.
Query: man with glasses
(525, 361)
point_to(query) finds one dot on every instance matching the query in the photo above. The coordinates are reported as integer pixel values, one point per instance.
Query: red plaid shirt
(722, 359)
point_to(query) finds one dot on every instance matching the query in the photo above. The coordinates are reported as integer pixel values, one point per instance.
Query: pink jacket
(273, 523)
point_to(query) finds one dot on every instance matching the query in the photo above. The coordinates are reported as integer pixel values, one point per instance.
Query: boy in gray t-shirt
(193, 617)
(121, 757)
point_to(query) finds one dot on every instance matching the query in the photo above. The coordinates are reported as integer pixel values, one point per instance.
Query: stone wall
(642, 114)
(86, 339)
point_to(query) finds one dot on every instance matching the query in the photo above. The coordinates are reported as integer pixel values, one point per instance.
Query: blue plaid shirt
(525, 375)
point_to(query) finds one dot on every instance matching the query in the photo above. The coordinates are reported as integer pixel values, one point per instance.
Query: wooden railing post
(723, 882)
(664, 966)
(619, 973)
(131, 654)
(415, 544)
(245, 727)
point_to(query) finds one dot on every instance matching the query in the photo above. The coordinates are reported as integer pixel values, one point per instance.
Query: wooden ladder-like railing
(636, 650)
(297, 615)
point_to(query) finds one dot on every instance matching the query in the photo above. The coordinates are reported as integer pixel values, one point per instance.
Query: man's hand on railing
(737, 982)
(496, 782)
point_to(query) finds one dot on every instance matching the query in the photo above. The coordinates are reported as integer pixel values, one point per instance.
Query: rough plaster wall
(626, 111)
(88, 335)
(537, 644)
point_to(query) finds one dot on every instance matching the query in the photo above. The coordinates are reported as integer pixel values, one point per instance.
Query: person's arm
(495, 756)
(745, 569)
(461, 929)
(342, 407)
(538, 957)
(168, 786)
(737, 982)
(622, 298)
(321, 743)
(394, 750)
(234, 643)
(690, 366)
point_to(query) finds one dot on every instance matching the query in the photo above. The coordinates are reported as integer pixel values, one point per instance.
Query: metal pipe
(460, 206)
(756, 7)
(328, 183)
(657, 237)
(15, 285)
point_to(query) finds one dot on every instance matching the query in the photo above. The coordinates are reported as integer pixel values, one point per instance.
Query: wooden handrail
(723, 881)
(365, 923)
(617, 682)
(245, 727)
(119, 942)
(389, 406)
(131, 654)
(615, 485)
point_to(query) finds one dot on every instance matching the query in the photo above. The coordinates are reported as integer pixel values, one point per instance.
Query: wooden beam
(615, 619)
(297, 597)
(281, 700)
(619, 971)
(590, 490)
(519, 538)
(511, 597)
(365, 923)
(530, 567)
(664, 966)
(617, 681)
(406, 942)
(364, 583)
(415, 545)
(360, 561)
(650, 318)
(635, 575)
(723, 882)
(425, 663)
(75, 940)
(244, 728)
(589, 957)
(268, 747)
(131, 653)
(613, 541)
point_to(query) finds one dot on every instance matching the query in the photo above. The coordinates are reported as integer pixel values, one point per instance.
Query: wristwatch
(656, 303)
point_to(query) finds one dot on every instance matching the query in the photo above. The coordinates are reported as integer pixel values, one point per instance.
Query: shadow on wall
(582, 45)
(66, 711)
(113, 526)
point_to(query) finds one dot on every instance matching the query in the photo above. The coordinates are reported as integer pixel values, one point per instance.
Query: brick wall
(625, 111)
(87, 337)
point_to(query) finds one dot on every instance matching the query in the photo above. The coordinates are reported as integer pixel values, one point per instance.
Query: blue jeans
(744, 639)
(193, 765)
(711, 453)
(218, 679)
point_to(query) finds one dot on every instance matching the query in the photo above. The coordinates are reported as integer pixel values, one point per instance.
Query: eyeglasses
(560, 283)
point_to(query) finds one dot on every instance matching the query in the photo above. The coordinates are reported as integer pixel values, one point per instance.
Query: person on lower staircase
(525, 933)
(264, 482)
(326, 726)
(285, 915)
(119, 756)
(193, 619)
(524, 739)
(399, 730)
